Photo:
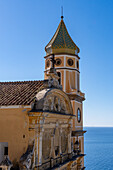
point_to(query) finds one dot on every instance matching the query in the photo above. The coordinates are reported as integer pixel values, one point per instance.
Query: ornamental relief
(64, 140)
(58, 135)
(55, 103)
(46, 144)
(52, 100)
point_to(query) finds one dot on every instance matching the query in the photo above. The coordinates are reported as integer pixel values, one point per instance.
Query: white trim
(65, 68)
(64, 61)
(14, 107)
(62, 55)
(48, 57)
(70, 79)
(66, 55)
(64, 80)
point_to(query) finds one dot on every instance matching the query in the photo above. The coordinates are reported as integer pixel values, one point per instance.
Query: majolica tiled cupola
(61, 42)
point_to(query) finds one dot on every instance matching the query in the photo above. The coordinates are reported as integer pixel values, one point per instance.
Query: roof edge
(14, 106)
(28, 81)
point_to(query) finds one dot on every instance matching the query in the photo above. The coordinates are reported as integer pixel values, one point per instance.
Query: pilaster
(69, 137)
(36, 124)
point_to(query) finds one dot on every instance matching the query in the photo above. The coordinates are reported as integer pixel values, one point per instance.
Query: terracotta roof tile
(18, 93)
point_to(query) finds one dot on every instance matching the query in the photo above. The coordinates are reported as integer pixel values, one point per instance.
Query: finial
(62, 12)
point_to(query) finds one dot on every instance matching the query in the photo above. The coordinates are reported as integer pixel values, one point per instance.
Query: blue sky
(26, 26)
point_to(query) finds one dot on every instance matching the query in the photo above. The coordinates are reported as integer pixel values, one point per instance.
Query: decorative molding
(78, 133)
(64, 80)
(64, 68)
(74, 55)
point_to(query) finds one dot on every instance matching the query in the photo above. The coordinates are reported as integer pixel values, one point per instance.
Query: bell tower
(67, 66)
(66, 56)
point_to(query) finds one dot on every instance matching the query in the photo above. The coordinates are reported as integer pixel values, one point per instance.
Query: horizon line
(97, 126)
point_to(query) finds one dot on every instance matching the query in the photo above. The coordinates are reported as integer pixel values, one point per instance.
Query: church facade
(41, 122)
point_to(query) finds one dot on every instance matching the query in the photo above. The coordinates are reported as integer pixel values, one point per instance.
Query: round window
(70, 62)
(78, 115)
(48, 63)
(58, 61)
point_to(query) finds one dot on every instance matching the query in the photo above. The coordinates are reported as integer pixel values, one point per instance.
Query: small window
(5, 150)
(70, 62)
(58, 61)
(78, 115)
(59, 74)
(77, 64)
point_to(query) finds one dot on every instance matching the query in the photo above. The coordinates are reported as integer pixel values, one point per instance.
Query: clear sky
(26, 26)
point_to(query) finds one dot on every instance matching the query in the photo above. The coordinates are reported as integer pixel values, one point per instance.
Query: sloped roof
(18, 93)
(61, 38)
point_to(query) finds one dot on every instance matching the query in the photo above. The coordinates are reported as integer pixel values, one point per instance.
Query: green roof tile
(61, 39)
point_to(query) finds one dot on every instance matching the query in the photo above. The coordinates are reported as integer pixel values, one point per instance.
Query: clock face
(58, 61)
(70, 62)
(78, 115)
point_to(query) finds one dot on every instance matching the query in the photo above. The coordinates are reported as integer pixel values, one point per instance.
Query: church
(41, 122)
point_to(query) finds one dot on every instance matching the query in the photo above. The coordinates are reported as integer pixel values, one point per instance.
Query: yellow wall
(77, 125)
(13, 125)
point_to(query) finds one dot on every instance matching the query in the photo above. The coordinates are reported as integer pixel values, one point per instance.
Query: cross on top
(62, 13)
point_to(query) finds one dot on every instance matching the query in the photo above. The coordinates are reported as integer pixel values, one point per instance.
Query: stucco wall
(14, 129)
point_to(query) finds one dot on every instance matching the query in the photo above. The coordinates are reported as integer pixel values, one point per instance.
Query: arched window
(78, 115)
(59, 74)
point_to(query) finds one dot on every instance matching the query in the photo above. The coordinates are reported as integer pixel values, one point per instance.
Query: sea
(98, 147)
